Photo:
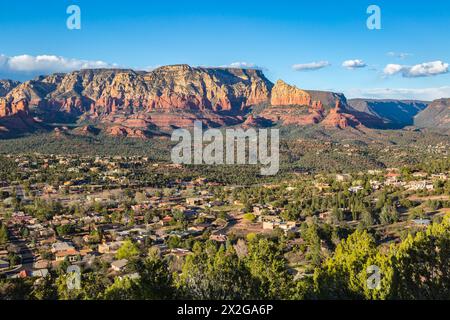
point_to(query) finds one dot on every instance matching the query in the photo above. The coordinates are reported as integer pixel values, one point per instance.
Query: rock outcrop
(170, 87)
(287, 95)
(87, 130)
(338, 118)
(436, 115)
(131, 103)
(293, 106)
(168, 96)
(327, 99)
(256, 122)
(19, 107)
(6, 86)
(120, 131)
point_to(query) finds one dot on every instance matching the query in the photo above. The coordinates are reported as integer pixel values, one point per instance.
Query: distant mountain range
(393, 114)
(136, 104)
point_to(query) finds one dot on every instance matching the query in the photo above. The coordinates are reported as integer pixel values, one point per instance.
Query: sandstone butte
(293, 106)
(285, 95)
(128, 103)
(339, 119)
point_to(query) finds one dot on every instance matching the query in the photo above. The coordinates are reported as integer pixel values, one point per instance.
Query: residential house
(110, 247)
(41, 273)
(166, 220)
(420, 174)
(422, 222)
(119, 265)
(218, 237)
(376, 185)
(71, 255)
(439, 176)
(419, 185)
(343, 177)
(355, 189)
(269, 225)
(179, 252)
(194, 201)
(288, 226)
(62, 246)
(41, 264)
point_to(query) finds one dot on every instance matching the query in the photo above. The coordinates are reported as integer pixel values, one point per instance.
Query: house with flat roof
(119, 265)
(422, 222)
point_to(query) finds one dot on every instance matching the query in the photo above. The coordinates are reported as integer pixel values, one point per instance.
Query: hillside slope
(436, 115)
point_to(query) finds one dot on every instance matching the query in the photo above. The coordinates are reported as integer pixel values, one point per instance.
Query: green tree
(128, 250)
(367, 218)
(93, 286)
(217, 274)
(389, 214)
(249, 217)
(155, 280)
(44, 289)
(343, 276)
(267, 263)
(15, 289)
(122, 289)
(421, 264)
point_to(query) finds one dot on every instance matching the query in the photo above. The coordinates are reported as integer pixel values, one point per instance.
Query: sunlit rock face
(130, 103)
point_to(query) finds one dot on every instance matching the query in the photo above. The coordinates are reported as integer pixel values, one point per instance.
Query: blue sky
(273, 35)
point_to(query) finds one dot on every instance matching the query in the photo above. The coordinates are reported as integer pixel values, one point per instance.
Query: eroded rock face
(286, 95)
(337, 118)
(157, 97)
(132, 103)
(19, 107)
(118, 131)
(293, 106)
(256, 122)
(4, 109)
(6, 86)
(171, 87)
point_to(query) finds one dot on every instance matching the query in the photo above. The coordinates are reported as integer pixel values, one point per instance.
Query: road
(27, 256)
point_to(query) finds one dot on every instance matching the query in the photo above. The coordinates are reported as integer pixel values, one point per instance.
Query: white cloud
(46, 64)
(311, 66)
(391, 69)
(400, 55)
(426, 94)
(242, 65)
(426, 69)
(354, 64)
